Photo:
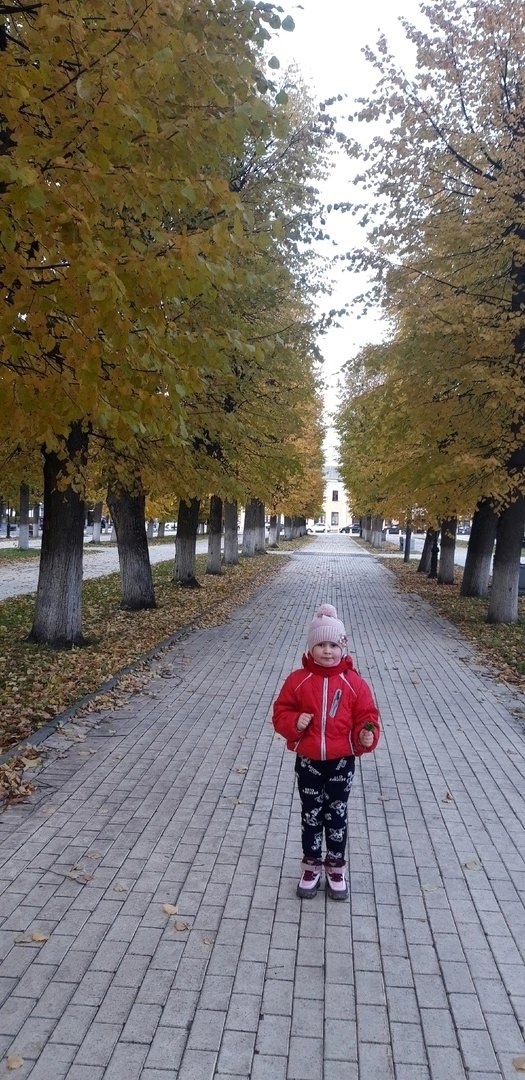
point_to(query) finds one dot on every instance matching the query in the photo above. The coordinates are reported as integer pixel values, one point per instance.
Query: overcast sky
(327, 46)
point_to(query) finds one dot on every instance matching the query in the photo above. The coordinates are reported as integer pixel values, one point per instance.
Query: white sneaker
(310, 879)
(336, 883)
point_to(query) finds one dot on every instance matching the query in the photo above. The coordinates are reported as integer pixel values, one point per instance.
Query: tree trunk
(503, 602)
(424, 562)
(434, 555)
(377, 531)
(275, 522)
(249, 535)
(23, 519)
(97, 522)
(287, 528)
(260, 529)
(185, 544)
(475, 581)
(448, 549)
(36, 521)
(161, 531)
(408, 543)
(213, 564)
(231, 533)
(58, 609)
(150, 529)
(128, 516)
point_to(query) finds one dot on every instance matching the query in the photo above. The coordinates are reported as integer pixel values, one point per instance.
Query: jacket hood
(345, 664)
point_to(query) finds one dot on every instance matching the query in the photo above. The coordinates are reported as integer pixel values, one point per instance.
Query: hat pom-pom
(328, 610)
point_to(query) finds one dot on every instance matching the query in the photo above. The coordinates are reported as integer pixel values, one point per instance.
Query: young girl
(327, 715)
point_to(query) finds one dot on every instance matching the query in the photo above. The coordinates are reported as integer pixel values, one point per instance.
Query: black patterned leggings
(324, 787)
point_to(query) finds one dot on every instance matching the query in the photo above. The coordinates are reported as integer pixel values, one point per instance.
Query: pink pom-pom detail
(328, 610)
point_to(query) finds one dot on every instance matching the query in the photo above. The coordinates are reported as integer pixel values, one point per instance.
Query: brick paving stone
(85, 1072)
(73, 1024)
(166, 1049)
(98, 1045)
(197, 1065)
(190, 800)
(269, 1067)
(126, 1062)
(54, 999)
(54, 1063)
(305, 1058)
(243, 1012)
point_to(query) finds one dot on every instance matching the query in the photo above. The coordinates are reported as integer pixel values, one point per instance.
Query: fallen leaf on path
(473, 864)
(78, 874)
(519, 1064)
(181, 925)
(118, 887)
(170, 909)
(14, 1061)
(449, 797)
(35, 938)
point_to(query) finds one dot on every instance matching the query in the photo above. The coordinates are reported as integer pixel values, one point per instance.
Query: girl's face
(327, 654)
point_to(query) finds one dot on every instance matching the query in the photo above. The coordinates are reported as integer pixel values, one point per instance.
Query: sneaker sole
(337, 895)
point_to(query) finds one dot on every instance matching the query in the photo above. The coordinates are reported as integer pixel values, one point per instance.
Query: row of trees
(432, 421)
(157, 331)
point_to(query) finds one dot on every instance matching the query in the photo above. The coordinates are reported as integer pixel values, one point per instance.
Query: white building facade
(336, 508)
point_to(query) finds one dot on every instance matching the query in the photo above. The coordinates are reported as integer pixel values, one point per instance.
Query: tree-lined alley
(433, 419)
(158, 333)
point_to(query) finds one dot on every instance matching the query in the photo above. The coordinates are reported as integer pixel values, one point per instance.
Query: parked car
(356, 529)
(346, 529)
(319, 527)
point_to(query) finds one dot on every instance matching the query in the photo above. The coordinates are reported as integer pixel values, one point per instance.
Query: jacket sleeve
(286, 711)
(365, 712)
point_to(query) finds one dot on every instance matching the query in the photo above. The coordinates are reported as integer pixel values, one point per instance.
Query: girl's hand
(366, 738)
(303, 721)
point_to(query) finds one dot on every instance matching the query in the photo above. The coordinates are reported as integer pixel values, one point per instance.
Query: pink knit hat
(325, 626)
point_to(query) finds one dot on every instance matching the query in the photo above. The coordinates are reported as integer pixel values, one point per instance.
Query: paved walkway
(185, 797)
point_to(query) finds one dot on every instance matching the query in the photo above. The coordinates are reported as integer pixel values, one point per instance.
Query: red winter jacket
(341, 704)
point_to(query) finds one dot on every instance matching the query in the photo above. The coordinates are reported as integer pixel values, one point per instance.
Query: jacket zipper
(323, 719)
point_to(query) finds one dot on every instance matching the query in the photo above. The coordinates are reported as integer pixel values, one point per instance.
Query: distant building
(336, 508)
